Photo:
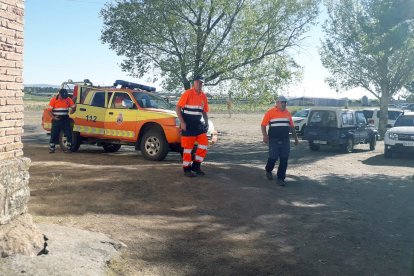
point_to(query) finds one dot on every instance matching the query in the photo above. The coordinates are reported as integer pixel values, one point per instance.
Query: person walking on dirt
(59, 111)
(190, 108)
(280, 123)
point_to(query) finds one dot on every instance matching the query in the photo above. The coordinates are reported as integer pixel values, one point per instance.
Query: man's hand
(296, 141)
(183, 126)
(266, 139)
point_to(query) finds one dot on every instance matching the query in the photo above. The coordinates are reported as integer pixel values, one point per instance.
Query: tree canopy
(370, 44)
(224, 40)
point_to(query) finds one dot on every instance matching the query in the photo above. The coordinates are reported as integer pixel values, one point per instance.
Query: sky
(62, 41)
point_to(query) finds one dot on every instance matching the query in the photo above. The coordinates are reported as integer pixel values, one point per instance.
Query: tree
(221, 39)
(370, 44)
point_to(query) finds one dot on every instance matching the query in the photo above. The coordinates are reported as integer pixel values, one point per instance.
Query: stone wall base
(20, 236)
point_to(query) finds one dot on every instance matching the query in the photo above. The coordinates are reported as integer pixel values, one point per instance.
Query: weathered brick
(14, 86)
(13, 56)
(6, 108)
(19, 108)
(14, 116)
(6, 93)
(14, 146)
(7, 32)
(18, 64)
(6, 140)
(8, 63)
(7, 78)
(15, 101)
(17, 138)
(14, 131)
(7, 124)
(19, 123)
(13, 72)
(7, 155)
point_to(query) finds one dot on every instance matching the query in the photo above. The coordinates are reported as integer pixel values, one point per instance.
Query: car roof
(329, 108)
(389, 109)
(408, 114)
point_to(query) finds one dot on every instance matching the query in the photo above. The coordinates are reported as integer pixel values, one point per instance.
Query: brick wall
(11, 82)
(14, 168)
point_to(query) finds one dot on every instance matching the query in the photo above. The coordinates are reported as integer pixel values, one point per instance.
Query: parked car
(300, 119)
(373, 114)
(339, 127)
(401, 136)
(410, 106)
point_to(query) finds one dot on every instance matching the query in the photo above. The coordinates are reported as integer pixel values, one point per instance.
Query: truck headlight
(298, 121)
(393, 136)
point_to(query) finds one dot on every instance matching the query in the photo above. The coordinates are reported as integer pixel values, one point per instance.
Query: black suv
(339, 127)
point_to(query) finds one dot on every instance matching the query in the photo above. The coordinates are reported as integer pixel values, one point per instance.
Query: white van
(373, 114)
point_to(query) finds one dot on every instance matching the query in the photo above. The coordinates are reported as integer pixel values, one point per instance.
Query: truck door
(361, 130)
(90, 114)
(121, 118)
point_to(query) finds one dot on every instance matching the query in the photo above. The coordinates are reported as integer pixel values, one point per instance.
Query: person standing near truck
(59, 108)
(190, 108)
(280, 123)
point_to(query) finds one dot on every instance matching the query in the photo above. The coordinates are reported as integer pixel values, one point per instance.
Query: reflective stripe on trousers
(187, 142)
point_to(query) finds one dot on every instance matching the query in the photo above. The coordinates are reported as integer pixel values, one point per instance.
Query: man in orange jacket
(280, 123)
(58, 109)
(190, 108)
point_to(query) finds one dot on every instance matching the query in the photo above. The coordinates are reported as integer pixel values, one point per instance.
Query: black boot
(196, 168)
(188, 172)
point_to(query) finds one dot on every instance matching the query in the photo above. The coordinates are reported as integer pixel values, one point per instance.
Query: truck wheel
(111, 147)
(154, 146)
(302, 132)
(63, 141)
(314, 147)
(372, 143)
(348, 147)
(387, 153)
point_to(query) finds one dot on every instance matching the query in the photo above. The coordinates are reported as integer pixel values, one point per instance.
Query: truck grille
(406, 137)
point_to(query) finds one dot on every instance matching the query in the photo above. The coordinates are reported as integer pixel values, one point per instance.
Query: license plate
(408, 144)
(320, 142)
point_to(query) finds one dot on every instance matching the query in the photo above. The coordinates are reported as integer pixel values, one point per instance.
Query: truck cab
(343, 128)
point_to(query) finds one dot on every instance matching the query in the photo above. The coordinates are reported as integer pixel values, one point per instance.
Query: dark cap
(63, 93)
(199, 77)
(281, 99)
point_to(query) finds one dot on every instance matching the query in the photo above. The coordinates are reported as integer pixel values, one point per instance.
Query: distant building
(312, 101)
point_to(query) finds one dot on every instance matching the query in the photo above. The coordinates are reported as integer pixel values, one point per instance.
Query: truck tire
(314, 147)
(63, 141)
(111, 147)
(348, 147)
(154, 146)
(372, 142)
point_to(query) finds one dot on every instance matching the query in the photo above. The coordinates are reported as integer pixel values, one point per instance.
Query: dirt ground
(339, 214)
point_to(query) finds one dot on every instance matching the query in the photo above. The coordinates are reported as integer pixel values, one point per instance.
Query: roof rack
(131, 85)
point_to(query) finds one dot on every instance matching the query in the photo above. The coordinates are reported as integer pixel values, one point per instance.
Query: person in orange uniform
(58, 108)
(190, 108)
(280, 123)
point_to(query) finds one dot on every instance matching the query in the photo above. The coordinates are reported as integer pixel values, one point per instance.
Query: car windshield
(301, 113)
(324, 118)
(404, 121)
(147, 100)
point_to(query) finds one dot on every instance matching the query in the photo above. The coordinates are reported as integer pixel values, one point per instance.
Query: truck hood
(402, 129)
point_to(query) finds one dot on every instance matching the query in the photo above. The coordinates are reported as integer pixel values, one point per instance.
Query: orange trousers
(187, 142)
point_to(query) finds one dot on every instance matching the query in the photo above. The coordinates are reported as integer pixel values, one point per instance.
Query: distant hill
(41, 85)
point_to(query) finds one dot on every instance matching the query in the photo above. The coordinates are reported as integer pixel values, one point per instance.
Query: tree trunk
(383, 119)
(187, 84)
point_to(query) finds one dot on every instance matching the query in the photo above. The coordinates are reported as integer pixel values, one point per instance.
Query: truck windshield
(147, 100)
(323, 118)
(404, 121)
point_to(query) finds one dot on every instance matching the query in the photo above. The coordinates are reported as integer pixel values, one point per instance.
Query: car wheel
(303, 130)
(372, 143)
(348, 147)
(63, 141)
(314, 146)
(387, 152)
(111, 147)
(154, 146)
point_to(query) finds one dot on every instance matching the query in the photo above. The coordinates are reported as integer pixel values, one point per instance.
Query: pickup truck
(127, 114)
(343, 128)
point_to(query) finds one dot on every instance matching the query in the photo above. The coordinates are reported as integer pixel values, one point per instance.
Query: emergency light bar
(131, 85)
